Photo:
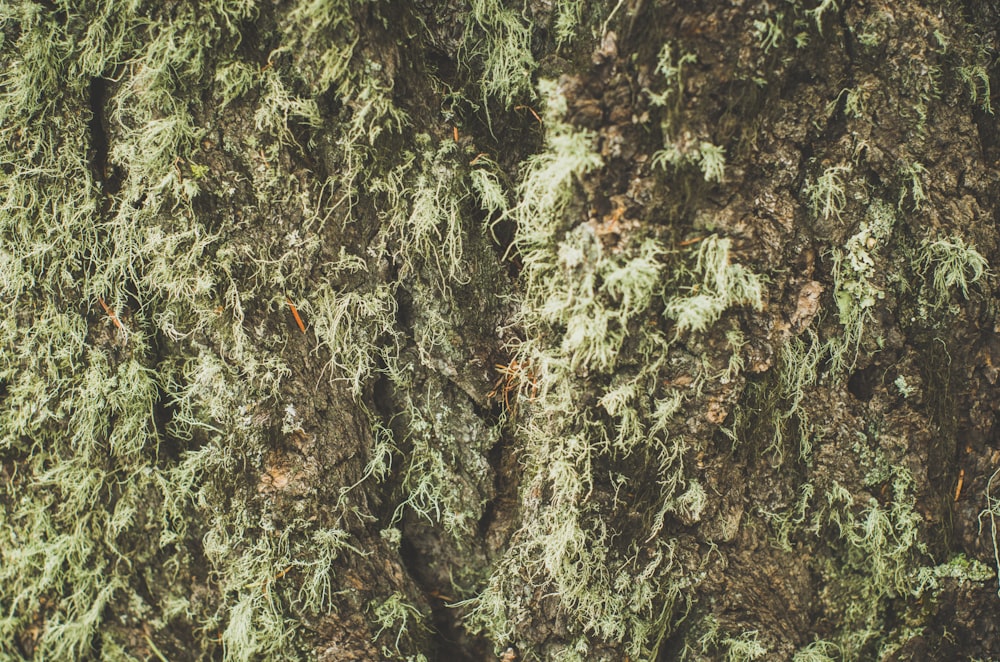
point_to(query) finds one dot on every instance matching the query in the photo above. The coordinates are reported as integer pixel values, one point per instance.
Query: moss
(875, 555)
(798, 370)
(818, 651)
(793, 520)
(569, 15)
(819, 10)
(149, 273)
(350, 325)
(280, 111)
(990, 513)
(930, 580)
(769, 32)
(95, 439)
(744, 647)
(913, 175)
(709, 638)
(445, 467)
(672, 71)
(976, 79)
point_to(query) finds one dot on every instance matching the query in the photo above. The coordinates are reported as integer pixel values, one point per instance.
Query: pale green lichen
(952, 265)
(857, 283)
(976, 79)
(819, 10)
(710, 158)
(913, 174)
(88, 404)
(818, 651)
(826, 195)
(498, 41)
(581, 303)
(876, 551)
(991, 513)
(769, 32)
(394, 614)
(672, 72)
(720, 284)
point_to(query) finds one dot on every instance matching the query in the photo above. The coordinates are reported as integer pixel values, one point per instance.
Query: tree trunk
(563, 330)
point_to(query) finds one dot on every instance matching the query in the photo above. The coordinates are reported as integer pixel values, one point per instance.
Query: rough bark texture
(349, 330)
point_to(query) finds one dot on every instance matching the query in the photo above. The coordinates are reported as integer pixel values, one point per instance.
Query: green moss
(875, 555)
(913, 174)
(486, 184)
(819, 10)
(444, 462)
(707, 637)
(109, 508)
(855, 103)
(143, 425)
(794, 519)
(234, 79)
(990, 514)
(672, 72)
(930, 580)
(280, 110)
(569, 15)
(708, 157)
(769, 32)
(976, 79)
(744, 647)
(818, 651)
(798, 370)
(351, 325)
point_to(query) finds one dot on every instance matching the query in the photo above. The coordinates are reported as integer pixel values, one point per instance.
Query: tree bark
(569, 330)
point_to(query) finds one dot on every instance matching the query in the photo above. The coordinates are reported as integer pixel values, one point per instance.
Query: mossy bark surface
(572, 330)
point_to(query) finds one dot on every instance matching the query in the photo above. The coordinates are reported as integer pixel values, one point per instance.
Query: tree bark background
(349, 330)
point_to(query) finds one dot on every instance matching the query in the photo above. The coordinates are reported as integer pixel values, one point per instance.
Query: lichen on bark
(549, 330)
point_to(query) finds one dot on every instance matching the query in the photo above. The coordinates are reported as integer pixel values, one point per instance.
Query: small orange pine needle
(114, 318)
(295, 314)
(531, 110)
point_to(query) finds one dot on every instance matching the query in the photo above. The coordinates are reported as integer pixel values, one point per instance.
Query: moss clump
(722, 285)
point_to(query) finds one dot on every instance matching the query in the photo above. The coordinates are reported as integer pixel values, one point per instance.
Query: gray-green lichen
(185, 473)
